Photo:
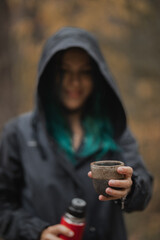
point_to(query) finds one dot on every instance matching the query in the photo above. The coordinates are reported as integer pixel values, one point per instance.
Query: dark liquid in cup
(109, 164)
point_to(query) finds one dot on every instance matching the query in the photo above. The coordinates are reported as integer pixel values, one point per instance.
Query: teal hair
(98, 129)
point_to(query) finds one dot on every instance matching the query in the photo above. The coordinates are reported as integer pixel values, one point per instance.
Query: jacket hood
(68, 37)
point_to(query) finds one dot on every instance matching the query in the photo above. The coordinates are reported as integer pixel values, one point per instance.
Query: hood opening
(111, 102)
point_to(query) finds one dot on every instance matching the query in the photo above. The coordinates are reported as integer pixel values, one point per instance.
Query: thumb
(61, 229)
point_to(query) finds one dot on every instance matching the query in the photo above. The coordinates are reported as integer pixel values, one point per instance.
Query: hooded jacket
(37, 182)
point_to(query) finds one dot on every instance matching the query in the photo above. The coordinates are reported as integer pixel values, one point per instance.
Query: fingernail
(111, 182)
(107, 190)
(71, 234)
(100, 197)
(120, 169)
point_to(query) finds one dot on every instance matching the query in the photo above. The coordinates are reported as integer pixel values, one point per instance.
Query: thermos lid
(77, 207)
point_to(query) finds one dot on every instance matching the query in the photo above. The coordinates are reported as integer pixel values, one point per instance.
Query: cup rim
(97, 163)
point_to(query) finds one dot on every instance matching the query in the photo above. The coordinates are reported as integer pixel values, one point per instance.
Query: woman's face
(76, 84)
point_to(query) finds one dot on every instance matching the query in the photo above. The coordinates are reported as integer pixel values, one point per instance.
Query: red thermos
(74, 219)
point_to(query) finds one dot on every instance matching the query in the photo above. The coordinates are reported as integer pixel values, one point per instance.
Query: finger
(128, 171)
(61, 229)
(49, 236)
(103, 198)
(116, 193)
(125, 183)
(90, 174)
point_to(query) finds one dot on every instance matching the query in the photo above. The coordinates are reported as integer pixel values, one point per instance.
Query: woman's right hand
(52, 232)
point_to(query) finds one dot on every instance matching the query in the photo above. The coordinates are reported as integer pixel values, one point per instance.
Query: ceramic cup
(102, 172)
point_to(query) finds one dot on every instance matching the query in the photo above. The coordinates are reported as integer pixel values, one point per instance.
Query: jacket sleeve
(141, 191)
(15, 222)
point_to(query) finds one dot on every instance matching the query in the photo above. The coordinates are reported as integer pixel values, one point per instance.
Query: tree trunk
(6, 64)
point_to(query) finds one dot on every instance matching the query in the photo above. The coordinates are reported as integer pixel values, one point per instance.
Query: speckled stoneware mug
(102, 172)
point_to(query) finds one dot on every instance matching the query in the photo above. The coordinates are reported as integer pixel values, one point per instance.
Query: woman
(46, 154)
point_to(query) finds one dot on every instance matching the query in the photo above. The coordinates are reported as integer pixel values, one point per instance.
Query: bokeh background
(129, 36)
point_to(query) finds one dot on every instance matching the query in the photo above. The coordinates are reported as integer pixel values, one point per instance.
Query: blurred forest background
(129, 35)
